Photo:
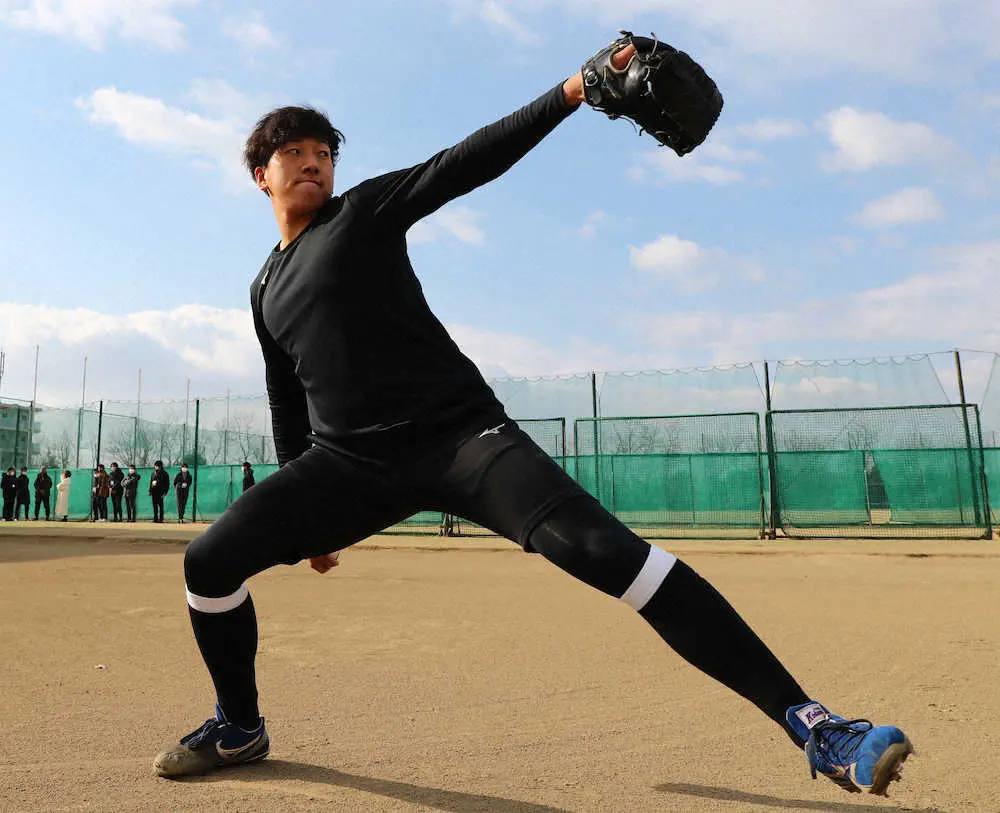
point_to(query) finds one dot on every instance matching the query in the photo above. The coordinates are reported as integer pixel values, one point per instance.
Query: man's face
(299, 176)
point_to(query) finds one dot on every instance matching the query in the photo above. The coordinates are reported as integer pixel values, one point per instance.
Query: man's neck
(292, 224)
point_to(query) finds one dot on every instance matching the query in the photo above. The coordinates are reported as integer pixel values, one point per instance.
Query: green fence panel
(821, 489)
(930, 486)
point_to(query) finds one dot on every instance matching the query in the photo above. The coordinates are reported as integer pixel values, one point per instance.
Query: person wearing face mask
(9, 488)
(159, 485)
(182, 485)
(43, 488)
(131, 488)
(116, 475)
(23, 499)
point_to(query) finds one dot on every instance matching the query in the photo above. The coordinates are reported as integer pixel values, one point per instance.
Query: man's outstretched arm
(408, 195)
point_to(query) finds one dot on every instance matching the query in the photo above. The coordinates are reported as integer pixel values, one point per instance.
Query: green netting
(674, 472)
(908, 380)
(895, 471)
(732, 388)
(822, 488)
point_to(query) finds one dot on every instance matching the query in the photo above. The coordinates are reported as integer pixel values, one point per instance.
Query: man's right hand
(321, 564)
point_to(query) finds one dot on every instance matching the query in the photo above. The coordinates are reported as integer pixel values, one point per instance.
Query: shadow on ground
(41, 548)
(743, 798)
(432, 798)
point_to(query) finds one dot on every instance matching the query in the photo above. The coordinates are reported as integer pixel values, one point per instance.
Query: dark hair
(286, 124)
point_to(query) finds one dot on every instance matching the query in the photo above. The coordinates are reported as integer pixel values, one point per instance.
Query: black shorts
(326, 500)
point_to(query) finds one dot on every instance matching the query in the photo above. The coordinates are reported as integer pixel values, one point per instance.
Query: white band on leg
(218, 605)
(653, 572)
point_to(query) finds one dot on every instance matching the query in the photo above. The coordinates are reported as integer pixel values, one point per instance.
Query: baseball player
(375, 408)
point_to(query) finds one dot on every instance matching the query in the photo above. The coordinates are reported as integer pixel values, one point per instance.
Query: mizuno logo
(494, 431)
(230, 753)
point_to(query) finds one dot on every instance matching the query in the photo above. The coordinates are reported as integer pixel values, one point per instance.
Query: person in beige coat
(62, 495)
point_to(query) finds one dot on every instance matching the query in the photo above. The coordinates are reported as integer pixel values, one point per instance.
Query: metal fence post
(772, 462)
(100, 429)
(197, 418)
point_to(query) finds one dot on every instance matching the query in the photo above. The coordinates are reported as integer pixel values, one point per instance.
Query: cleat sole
(889, 767)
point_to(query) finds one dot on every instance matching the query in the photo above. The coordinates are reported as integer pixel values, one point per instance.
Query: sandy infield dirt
(462, 675)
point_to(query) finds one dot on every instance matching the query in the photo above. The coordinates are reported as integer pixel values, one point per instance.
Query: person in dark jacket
(116, 475)
(100, 491)
(182, 485)
(159, 485)
(23, 497)
(8, 484)
(131, 488)
(43, 491)
(247, 475)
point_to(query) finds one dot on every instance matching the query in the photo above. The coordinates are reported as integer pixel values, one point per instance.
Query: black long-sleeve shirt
(351, 349)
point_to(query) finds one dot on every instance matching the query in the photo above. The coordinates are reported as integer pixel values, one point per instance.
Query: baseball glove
(661, 89)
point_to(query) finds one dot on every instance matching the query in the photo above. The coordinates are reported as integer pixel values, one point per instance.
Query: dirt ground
(462, 675)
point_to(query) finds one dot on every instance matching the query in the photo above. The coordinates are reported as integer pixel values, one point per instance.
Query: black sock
(228, 644)
(704, 629)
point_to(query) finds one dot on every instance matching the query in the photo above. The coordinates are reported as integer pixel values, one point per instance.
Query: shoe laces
(835, 741)
(197, 737)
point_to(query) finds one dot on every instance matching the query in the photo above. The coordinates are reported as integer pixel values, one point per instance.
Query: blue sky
(845, 206)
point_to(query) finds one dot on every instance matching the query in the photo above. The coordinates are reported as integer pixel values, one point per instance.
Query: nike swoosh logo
(228, 753)
(494, 431)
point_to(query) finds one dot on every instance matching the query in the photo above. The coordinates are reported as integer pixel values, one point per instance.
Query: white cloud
(214, 346)
(455, 221)
(864, 140)
(665, 165)
(93, 21)
(589, 228)
(498, 16)
(153, 123)
(902, 208)
(797, 41)
(772, 129)
(251, 31)
(931, 307)
(690, 267)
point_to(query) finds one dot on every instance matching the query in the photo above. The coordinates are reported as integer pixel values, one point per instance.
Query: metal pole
(187, 402)
(31, 416)
(83, 395)
(968, 439)
(197, 417)
(17, 433)
(100, 428)
(225, 436)
(597, 451)
(772, 467)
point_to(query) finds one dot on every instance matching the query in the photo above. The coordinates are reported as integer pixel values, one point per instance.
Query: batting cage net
(665, 476)
(892, 471)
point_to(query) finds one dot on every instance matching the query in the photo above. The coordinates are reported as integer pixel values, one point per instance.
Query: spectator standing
(8, 484)
(182, 485)
(62, 497)
(131, 486)
(23, 497)
(159, 485)
(116, 475)
(43, 491)
(247, 476)
(101, 490)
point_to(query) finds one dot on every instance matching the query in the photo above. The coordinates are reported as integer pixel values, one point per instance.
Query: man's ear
(258, 174)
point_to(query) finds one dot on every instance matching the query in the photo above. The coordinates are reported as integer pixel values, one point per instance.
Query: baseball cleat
(216, 744)
(855, 754)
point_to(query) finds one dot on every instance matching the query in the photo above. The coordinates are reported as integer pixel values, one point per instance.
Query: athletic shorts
(326, 500)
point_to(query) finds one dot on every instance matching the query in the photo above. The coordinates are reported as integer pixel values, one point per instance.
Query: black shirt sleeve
(285, 395)
(404, 197)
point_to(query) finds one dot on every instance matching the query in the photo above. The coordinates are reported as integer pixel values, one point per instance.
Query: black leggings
(499, 479)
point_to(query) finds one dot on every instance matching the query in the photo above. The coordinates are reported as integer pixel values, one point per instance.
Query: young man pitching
(374, 404)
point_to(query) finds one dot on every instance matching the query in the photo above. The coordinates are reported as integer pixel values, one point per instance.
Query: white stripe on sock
(218, 605)
(653, 572)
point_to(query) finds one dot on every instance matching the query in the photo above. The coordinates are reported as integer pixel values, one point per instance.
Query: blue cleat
(855, 754)
(218, 743)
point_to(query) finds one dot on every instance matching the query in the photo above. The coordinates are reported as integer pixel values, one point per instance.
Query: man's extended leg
(334, 502)
(506, 483)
